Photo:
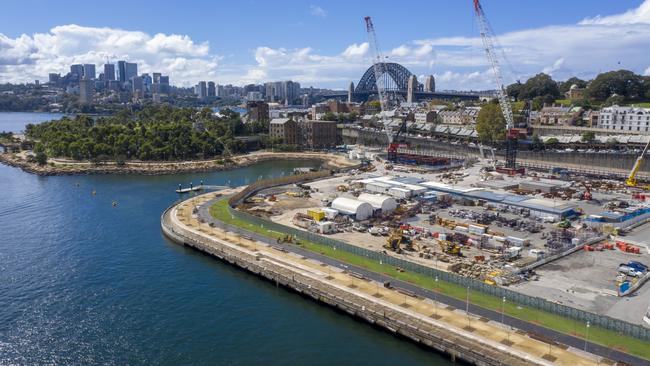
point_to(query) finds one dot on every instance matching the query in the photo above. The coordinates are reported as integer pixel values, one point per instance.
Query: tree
(566, 85)
(490, 124)
(622, 82)
(588, 136)
(552, 142)
(540, 85)
(41, 158)
(514, 90)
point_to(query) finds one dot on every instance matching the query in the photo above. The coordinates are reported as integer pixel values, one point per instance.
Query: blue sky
(321, 43)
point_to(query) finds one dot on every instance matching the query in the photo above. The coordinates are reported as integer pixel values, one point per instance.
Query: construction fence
(603, 321)
(619, 326)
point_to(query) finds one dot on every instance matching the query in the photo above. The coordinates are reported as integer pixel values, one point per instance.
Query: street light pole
(435, 296)
(467, 307)
(586, 335)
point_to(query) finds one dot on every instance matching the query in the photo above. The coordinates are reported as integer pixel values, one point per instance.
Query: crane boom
(631, 179)
(487, 38)
(378, 67)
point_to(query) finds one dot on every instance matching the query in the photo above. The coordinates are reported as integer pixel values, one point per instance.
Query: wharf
(462, 336)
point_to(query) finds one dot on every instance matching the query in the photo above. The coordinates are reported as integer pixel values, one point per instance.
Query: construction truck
(631, 179)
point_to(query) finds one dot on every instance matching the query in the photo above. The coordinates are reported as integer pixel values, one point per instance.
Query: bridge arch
(398, 73)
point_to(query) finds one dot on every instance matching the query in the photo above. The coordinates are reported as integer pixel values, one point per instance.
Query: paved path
(533, 329)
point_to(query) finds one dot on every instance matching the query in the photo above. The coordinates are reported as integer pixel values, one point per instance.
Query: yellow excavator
(450, 248)
(396, 239)
(631, 179)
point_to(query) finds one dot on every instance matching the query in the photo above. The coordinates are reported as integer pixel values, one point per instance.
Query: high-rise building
(89, 71)
(86, 91)
(430, 84)
(156, 77)
(201, 90)
(131, 70)
(137, 87)
(121, 71)
(212, 90)
(109, 72)
(126, 70)
(147, 81)
(77, 71)
(164, 84)
(54, 78)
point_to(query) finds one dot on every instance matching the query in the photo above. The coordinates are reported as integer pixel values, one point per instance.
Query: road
(533, 329)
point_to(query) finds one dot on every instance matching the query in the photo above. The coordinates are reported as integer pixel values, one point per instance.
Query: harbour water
(16, 121)
(83, 282)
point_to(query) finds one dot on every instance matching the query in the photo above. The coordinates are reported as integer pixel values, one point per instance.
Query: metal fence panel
(513, 296)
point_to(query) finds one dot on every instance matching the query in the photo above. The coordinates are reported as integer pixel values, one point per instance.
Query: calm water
(16, 121)
(84, 283)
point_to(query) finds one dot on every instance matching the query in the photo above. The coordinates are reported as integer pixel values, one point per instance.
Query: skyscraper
(201, 90)
(164, 84)
(137, 87)
(77, 71)
(109, 72)
(127, 70)
(89, 71)
(131, 70)
(212, 91)
(121, 70)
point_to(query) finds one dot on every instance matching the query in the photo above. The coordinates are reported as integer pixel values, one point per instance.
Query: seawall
(230, 248)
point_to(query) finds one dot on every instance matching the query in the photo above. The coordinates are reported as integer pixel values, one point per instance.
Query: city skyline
(600, 37)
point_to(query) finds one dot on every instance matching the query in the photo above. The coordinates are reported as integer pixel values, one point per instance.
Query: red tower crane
(487, 37)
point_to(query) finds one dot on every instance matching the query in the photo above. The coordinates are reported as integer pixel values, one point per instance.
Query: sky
(323, 43)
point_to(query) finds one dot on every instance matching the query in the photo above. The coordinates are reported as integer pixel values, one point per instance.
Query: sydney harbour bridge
(396, 82)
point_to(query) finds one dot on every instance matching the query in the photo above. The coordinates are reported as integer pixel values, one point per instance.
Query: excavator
(631, 179)
(450, 248)
(396, 240)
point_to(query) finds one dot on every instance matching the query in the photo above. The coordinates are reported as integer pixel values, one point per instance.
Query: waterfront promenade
(450, 330)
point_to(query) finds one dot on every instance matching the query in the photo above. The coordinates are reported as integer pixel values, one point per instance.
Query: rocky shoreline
(63, 167)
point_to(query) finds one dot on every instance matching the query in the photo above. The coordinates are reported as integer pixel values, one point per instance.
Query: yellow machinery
(317, 215)
(631, 179)
(396, 239)
(450, 248)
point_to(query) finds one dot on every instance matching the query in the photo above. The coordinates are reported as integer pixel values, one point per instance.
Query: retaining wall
(438, 338)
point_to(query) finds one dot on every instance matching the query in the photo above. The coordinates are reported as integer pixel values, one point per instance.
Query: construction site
(570, 238)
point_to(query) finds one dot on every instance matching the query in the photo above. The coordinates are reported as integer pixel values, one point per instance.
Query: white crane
(487, 37)
(379, 68)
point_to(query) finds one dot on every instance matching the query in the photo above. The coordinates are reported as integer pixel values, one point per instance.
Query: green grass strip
(556, 322)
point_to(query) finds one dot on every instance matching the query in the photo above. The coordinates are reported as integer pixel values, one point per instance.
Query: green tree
(540, 85)
(490, 124)
(566, 85)
(41, 158)
(622, 82)
(588, 136)
(552, 142)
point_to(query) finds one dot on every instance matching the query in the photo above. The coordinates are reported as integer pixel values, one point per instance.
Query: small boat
(114, 203)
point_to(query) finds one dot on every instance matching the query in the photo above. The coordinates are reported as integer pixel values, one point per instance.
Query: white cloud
(647, 71)
(33, 57)
(356, 51)
(582, 49)
(633, 16)
(317, 11)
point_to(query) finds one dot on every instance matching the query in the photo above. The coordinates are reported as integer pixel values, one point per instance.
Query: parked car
(630, 271)
(638, 266)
